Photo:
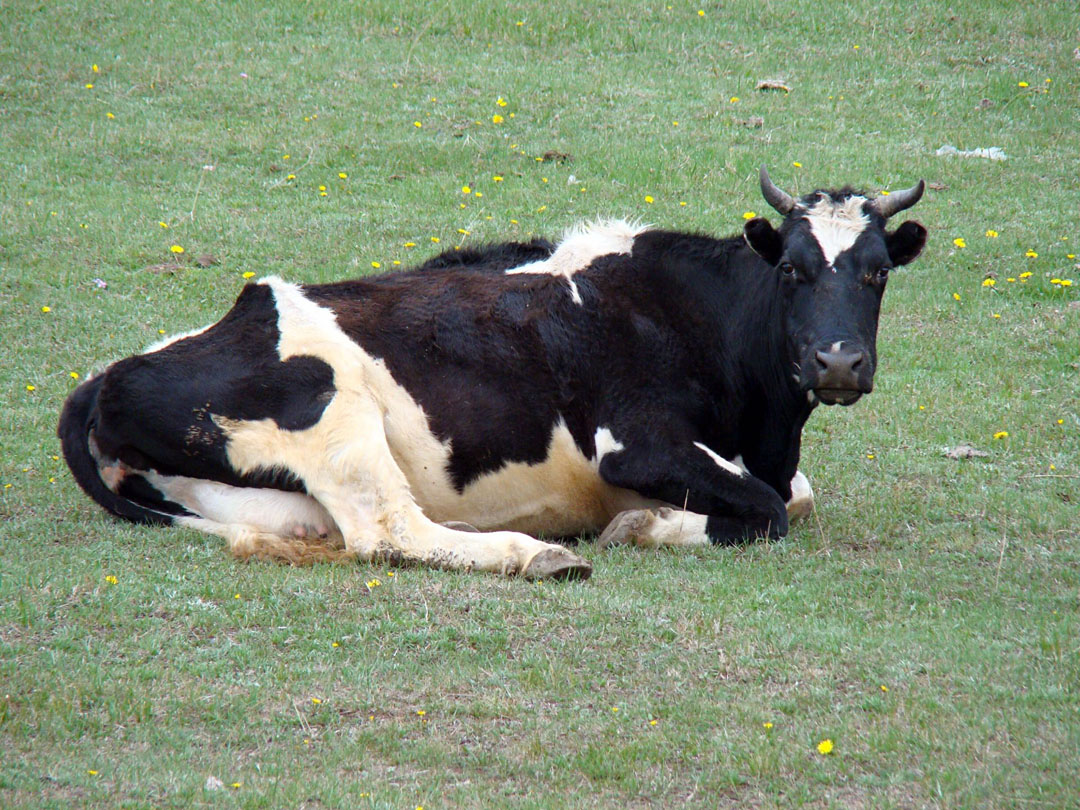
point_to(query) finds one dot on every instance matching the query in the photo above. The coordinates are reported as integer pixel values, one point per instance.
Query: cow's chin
(838, 396)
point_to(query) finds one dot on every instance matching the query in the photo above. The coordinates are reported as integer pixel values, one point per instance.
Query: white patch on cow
(720, 461)
(835, 347)
(738, 462)
(261, 510)
(836, 225)
(605, 443)
(158, 345)
(580, 247)
(802, 497)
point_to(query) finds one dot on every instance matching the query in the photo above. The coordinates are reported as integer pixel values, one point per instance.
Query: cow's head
(832, 256)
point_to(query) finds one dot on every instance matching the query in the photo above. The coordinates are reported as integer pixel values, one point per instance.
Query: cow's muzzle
(841, 375)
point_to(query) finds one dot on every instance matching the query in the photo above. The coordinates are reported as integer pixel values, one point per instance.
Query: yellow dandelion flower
(89, 85)
(73, 374)
(316, 700)
(163, 224)
(248, 274)
(825, 747)
(335, 644)
(734, 99)
(990, 232)
(92, 773)
(421, 712)
(110, 116)
(1066, 282)
(497, 178)
(236, 596)
(417, 124)
(1001, 434)
(1031, 254)
(435, 240)
(674, 123)
(373, 583)
(615, 709)
(884, 688)
(796, 164)
(500, 101)
(1021, 84)
(1011, 280)
(749, 214)
(682, 203)
(323, 194)
(376, 265)
(496, 119)
(176, 249)
(94, 68)
(466, 190)
(343, 175)
(285, 157)
(1025, 275)
(31, 388)
(767, 725)
(870, 456)
(989, 282)
(1055, 281)
(701, 12)
(956, 296)
(959, 242)
(1070, 255)
(111, 579)
(649, 199)
(235, 785)
(478, 193)
(995, 315)
(290, 177)
(46, 309)
(463, 232)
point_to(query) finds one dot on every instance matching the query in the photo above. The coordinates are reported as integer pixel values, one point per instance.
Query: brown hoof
(557, 563)
(801, 509)
(626, 528)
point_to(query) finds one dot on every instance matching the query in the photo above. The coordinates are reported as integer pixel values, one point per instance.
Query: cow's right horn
(774, 196)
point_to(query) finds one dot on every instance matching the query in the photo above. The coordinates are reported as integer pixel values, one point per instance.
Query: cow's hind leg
(346, 465)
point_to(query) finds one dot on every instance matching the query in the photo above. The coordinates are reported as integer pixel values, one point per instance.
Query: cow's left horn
(899, 200)
(774, 196)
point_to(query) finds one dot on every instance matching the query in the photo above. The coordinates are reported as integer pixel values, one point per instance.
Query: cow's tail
(77, 420)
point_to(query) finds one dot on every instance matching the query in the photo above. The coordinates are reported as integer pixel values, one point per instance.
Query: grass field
(926, 621)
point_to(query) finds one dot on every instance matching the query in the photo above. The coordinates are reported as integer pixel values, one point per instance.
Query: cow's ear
(764, 240)
(905, 243)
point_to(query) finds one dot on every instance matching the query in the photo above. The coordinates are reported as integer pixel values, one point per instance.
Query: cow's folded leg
(801, 503)
(724, 503)
(651, 528)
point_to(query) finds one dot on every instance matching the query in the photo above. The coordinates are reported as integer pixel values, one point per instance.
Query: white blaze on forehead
(719, 460)
(582, 245)
(836, 225)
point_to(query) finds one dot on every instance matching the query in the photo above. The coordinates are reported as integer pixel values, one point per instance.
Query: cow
(645, 384)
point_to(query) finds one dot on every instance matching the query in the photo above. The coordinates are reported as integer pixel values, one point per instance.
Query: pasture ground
(925, 622)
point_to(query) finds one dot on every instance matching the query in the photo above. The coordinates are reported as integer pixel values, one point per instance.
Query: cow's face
(832, 257)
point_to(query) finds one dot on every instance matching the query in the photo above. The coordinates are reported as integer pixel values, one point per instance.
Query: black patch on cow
(155, 411)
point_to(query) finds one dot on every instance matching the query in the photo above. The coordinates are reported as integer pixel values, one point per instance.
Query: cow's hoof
(557, 563)
(459, 526)
(627, 528)
(800, 509)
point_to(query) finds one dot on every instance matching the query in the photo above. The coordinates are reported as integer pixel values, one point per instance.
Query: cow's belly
(561, 496)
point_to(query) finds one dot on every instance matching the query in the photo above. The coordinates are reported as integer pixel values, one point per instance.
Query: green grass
(953, 584)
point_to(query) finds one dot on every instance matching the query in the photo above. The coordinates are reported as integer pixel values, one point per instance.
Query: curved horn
(899, 200)
(776, 197)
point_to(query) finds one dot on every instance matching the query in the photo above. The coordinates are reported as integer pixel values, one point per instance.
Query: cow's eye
(883, 274)
(787, 268)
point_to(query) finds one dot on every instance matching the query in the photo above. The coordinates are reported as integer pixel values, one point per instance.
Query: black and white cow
(647, 384)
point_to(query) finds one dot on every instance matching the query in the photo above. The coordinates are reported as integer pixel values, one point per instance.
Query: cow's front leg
(723, 502)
